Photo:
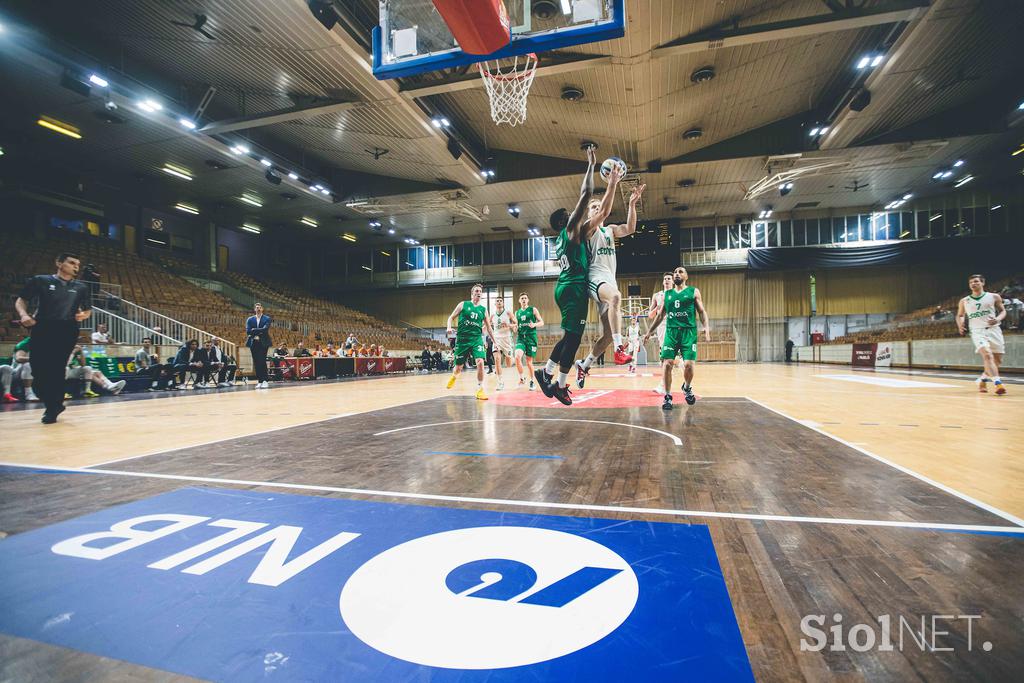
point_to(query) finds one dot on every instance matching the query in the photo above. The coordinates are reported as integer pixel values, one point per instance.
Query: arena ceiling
(947, 88)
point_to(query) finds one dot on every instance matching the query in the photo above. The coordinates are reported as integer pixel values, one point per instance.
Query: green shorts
(528, 346)
(679, 341)
(465, 350)
(574, 303)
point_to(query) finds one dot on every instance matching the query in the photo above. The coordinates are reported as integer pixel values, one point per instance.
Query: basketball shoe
(621, 357)
(581, 374)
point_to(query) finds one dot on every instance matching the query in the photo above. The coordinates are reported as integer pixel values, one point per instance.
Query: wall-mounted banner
(238, 585)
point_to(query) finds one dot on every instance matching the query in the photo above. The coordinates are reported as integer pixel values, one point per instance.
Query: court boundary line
(906, 470)
(675, 439)
(615, 509)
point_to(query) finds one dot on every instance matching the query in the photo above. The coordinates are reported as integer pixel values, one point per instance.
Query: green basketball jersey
(471, 322)
(524, 316)
(572, 258)
(680, 309)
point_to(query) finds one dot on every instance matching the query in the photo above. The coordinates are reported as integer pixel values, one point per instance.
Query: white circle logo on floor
(489, 597)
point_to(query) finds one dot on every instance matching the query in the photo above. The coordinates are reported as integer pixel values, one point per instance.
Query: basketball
(609, 164)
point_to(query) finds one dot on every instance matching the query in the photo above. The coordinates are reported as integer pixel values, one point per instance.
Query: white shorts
(597, 278)
(659, 334)
(504, 345)
(990, 338)
(634, 346)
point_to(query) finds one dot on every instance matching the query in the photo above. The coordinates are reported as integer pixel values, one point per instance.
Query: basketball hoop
(509, 89)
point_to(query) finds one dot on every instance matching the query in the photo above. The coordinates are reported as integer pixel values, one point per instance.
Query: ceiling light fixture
(963, 181)
(149, 105)
(293, 175)
(187, 209)
(177, 171)
(348, 237)
(98, 80)
(59, 127)
(249, 227)
(935, 217)
(309, 221)
(251, 201)
(266, 162)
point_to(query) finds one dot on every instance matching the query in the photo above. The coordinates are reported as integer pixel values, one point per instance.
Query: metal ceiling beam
(278, 116)
(473, 80)
(844, 20)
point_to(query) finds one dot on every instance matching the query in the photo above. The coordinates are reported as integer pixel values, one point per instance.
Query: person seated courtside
(280, 353)
(188, 359)
(79, 368)
(216, 364)
(425, 360)
(147, 364)
(301, 351)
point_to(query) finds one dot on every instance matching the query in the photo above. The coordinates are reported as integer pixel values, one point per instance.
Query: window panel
(773, 234)
(787, 233)
(838, 230)
(411, 258)
(723, 237)
(759, 235)
(709, 239)
(744, 235)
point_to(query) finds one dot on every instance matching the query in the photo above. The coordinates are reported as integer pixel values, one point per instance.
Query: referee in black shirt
(63, 301)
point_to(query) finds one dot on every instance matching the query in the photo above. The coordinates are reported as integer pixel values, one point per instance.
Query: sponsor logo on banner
(246, 584)
(864, 355)
(389, 365)
(305, 367)
(883, 356)
(371, 365)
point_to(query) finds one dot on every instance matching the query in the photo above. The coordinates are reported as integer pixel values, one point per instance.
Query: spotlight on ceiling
(150, 105)
(785, 188)
(266, 162)
(98, 80)
(272, 177)
(240, 149)
(186, 123)
(293, 175)
(513, 210)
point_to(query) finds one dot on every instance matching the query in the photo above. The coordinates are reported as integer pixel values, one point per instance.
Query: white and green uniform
(501, 325)
(603, 266)
(978, 310)
(633, 337)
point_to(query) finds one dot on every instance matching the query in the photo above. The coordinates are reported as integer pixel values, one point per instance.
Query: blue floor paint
(234, 585)
(497, 455)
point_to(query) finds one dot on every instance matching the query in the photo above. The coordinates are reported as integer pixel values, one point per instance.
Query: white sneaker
(230, 384)
(262, 385)
(116, 387)
(659, 389)
(501, 385)
(31, 396)
(223, 385)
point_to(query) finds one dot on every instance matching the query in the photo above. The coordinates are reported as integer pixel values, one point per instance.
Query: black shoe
(562, 394)
(690, 398)
(667, 405)
(51, 418)
(544, 380)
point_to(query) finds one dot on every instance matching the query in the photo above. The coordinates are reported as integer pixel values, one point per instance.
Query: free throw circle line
(675, 439)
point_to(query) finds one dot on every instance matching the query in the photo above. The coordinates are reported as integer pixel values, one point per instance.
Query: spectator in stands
(425, 359)
(23, 369)
(382, 352)
(436, 362)
(789, 350)
(217, 362)
(101, 336)
(350, 342)
(257, 329)
(372, 351)
(147, 363)
(938, 314)
(189, 359)
(330, 351)
(301, 351)
(1014, 311)
(78, 368)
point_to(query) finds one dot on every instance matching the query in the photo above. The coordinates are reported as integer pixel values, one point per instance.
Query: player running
(504, 325)
(469, 341)
(681, 303)
(527, 321)
(571, 289)
(603, 286)
(984, 311)
(657, 301)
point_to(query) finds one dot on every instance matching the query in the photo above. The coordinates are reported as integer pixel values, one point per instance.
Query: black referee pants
(52, 342)
(259, 361)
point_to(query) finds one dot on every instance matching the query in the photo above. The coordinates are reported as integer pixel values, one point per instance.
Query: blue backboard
(412, 38)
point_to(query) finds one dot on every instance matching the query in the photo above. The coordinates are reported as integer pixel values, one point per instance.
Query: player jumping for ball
(527, 321)
(603, 286)
(983, 312)
(469, 342)
(571, 289)
(681, 302)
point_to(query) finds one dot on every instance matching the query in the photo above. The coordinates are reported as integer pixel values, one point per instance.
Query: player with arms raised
(604, 288)
(571, 289)
(680, 307)
(469, 342)
(983, 312)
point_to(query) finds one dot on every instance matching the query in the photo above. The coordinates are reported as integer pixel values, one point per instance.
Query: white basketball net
(508, 89)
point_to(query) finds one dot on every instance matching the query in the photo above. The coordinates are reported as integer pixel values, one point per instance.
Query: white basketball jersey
(499, 331)
(634, 332)
(601, 250)
(979, 310)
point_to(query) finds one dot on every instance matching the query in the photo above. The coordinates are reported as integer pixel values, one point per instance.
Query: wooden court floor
(824, 490)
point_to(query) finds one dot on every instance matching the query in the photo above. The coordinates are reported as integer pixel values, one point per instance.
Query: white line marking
(676, 439)
(583, 397)
(953, 492)
(615, 509)
(889, 382)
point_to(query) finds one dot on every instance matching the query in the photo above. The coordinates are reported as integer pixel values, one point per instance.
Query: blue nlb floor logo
(238, 585)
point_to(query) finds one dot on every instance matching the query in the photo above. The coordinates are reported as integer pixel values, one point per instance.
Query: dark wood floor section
(736, 457)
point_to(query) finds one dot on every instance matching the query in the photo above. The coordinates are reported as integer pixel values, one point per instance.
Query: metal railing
(158, 323)
(124, 331)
